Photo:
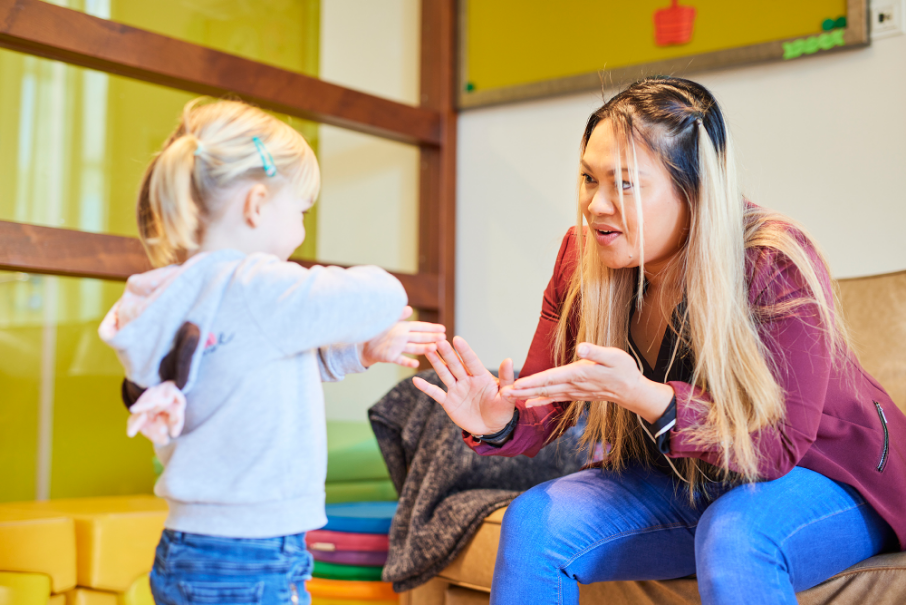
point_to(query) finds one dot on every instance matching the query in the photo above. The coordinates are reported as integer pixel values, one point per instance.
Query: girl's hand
(472, 400)
(412, 337)
(601, 374)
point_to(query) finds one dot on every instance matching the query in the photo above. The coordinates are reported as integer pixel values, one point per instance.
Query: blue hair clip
(267, 160)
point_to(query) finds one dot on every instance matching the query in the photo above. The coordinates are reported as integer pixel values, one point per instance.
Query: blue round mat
(360, 517)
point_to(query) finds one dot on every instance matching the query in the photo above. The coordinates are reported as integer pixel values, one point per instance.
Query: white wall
(822, 139)
(368, 208)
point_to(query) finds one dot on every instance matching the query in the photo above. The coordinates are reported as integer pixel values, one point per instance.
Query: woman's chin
(616, 259)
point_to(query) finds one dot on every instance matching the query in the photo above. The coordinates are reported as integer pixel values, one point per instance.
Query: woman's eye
(587, 178)
(626, 185)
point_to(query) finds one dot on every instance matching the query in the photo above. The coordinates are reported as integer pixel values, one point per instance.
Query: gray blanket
(446, 489)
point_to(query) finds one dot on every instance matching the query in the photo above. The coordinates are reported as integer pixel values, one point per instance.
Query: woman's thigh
(594, 526)
(791, 533)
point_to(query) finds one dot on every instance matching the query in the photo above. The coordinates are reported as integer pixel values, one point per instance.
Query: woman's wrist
(654, 399)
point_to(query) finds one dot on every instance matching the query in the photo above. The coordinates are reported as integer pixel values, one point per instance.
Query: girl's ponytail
(215, 147)
(171, 202)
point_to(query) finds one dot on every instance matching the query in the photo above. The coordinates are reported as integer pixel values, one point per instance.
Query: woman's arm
(798, 347)
(536, 425)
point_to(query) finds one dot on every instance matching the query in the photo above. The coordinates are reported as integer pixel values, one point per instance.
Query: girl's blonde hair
(216, 146)
(681, 123)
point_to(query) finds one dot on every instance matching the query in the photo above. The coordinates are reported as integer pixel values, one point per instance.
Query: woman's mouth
(606, 236)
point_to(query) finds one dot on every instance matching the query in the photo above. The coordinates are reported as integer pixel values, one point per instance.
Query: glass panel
(368, 208)
(372, 46)
(283, 33)
(74, 144)
(62, 423)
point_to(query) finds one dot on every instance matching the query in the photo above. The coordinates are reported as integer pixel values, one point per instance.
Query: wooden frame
(46, 30)
(856, 35)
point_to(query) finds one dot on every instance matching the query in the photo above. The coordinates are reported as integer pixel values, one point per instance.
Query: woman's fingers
(406, 314)
(414, 349)
(574, 372)
(434, 392)
(443, 372)
(469, 358)
(406, 362)
(452, 360)
(603, 355)
(505, 373)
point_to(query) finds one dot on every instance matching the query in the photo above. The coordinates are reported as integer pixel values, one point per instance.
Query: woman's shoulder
(778, 252)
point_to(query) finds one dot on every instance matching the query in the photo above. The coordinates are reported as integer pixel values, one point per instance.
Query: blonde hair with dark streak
(211, 151)
(681, 123)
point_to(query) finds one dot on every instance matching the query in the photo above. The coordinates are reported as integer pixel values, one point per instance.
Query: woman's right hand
(472, 399)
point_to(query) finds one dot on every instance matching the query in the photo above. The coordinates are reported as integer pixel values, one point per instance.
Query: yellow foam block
(115, 536)
(139, 593)
(24, 588)
(57, 599)
(36, 541)
(86, 596)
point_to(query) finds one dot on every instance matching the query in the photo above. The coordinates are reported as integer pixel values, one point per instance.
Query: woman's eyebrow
(625, 170)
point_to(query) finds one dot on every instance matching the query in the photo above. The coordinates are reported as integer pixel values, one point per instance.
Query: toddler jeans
(191, 568)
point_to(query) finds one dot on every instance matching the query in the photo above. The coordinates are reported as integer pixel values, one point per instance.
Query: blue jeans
(191, 568)
(766, 541)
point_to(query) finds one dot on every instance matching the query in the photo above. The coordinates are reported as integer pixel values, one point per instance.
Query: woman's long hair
(682, 124)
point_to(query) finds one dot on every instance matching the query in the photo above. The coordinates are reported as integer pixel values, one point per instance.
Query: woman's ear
(255, 198)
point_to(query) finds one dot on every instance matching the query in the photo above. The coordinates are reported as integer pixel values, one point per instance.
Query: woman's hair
(681, 123)
(215, 147)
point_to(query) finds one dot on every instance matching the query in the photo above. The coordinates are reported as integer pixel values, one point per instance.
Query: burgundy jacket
(839, 423)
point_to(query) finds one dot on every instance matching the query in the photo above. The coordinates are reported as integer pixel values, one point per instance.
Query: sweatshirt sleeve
(336, 361)
(300, 309)
(538, 425)
(799, 354)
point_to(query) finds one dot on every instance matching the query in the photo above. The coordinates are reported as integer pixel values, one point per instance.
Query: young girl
(225, 353)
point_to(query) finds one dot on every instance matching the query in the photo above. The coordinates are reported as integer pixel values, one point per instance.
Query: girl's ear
(255, 199)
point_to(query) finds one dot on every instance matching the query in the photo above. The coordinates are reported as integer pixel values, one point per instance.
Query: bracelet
(502, 436)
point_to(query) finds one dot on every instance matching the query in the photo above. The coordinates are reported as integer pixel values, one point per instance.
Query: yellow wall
(73, 146)
(519, 42)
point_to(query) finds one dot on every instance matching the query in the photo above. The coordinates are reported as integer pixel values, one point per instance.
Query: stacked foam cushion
(349, 554)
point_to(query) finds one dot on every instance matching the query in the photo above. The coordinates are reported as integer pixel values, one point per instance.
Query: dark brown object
(43, 29)
(54, 251)
(437, 189)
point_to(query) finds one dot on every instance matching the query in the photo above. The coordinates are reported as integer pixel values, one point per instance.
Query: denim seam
(813, 521)
(646, 530)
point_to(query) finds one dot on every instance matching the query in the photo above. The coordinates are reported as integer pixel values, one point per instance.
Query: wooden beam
(53, 251)
(437, 188)
(43, 29)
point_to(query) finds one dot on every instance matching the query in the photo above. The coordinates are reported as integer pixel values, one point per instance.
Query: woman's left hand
(601, 374)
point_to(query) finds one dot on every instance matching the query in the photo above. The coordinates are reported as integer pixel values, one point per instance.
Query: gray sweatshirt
(252, 457)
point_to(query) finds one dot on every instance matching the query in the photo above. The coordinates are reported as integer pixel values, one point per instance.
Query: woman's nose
(600, 204)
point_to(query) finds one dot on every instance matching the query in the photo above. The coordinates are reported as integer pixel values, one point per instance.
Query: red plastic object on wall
(674, 25)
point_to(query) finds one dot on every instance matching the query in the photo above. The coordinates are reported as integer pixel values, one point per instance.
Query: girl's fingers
(443, 372)
(424, 326)
(469, 358)
(406, 314)
(434, 392)
(413, 349)
(452, 360)
(422, 337)
(555, 392)
(406, 362)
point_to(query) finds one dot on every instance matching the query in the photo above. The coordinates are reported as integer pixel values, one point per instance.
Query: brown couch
(876, 310)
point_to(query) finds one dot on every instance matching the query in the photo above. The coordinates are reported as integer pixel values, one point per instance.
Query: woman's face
(615, 229)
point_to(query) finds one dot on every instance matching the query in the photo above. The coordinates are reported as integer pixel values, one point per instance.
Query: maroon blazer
(839, 421)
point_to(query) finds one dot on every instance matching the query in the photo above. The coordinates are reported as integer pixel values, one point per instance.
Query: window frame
(38, 28)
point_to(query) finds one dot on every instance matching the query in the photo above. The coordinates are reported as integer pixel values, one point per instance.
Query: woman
(744, 443)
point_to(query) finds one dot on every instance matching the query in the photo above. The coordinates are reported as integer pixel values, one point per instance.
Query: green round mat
(337, 571)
